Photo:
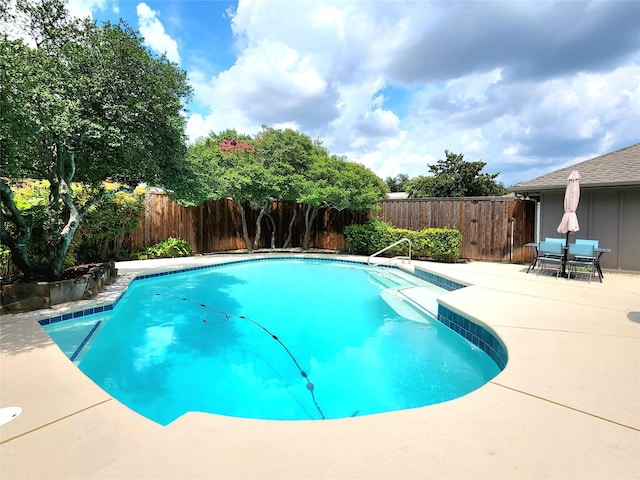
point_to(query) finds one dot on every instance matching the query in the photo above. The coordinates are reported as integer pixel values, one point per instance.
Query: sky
(525, 86)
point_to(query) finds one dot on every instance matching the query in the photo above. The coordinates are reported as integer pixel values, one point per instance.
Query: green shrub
(368, 238)
(418, 242)
(440, 244)
(101, 233)
(169, 248)
(31, 198)
(443, 244)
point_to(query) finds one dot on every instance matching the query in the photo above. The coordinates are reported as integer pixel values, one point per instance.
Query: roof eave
(541, 188)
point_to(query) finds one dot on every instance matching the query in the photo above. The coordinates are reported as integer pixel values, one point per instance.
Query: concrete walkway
(566, 406)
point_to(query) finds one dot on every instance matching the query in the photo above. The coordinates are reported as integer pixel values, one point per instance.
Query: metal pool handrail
(391, 246)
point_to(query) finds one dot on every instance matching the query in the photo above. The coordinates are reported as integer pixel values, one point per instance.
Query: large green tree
(335, 183)
(286, 156)
(81, 103)
(455, 177)
(228, 167)
(281, 164)
(254, 172)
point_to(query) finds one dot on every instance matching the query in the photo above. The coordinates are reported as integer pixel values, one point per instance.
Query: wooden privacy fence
(217, 226)
(493, 228)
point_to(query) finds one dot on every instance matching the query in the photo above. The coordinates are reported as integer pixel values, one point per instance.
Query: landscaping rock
(80, 283)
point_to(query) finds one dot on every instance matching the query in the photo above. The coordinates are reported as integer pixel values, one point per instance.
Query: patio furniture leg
(598, 268)
(534, 259)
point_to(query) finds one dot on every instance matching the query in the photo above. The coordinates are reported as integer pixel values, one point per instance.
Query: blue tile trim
(442, 282)
(476, 334)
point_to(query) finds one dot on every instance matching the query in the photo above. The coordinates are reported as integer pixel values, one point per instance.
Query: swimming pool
(275, 339)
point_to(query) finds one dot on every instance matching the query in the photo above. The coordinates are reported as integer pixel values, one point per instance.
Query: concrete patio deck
(566, 406)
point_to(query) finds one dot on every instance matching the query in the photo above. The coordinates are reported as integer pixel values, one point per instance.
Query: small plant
(169, 248)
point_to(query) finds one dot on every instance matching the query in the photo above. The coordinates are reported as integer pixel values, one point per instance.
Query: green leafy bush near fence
(102, 230)
(439, 244)
(368, 238)
(169, 248)
(101, 234)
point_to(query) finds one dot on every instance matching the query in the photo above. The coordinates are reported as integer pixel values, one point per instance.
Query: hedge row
(439, 244)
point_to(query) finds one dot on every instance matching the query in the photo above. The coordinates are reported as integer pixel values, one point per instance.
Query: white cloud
(84, 8)
(154, 33)
(523, 86)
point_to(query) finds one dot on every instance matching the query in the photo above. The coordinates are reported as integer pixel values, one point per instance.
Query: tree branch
(17, 245)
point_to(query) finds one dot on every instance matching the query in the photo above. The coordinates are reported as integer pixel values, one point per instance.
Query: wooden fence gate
(493, 228)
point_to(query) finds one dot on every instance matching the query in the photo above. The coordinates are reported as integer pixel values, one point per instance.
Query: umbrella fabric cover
(569, 221)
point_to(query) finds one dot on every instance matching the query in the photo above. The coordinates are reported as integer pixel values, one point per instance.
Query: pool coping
(566, 405)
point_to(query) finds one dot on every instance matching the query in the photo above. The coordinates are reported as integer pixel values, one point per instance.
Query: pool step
(84, 342)
(425, 297)
(390, 280)
(402, 305)
(75, 337)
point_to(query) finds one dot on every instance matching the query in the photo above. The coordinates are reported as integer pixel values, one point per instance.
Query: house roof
(619, 168)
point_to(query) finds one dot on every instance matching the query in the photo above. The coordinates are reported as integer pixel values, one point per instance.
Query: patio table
(600, 251)
(534, 260)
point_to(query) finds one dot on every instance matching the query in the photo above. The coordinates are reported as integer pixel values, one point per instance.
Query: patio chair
(581, 255)
(582, 241)
(562, 241)
(549, 254)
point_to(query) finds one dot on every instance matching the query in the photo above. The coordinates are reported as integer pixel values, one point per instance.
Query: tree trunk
(17, 245)
(265, 208)
(245, 230)
(309, 217)
(287, 242)
(273, 230)
(59, 252)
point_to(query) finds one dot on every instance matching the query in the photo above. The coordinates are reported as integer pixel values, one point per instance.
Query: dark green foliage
(455, 177)
(439, 244)
(368, 238)
(83, 104)
(281, 164)
(100, 236)
(397, 183)
(169, 248)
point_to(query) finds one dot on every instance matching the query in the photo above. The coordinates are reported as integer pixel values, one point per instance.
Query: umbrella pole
(565, 252)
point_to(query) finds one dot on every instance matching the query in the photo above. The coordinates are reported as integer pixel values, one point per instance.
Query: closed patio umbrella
(569, 221)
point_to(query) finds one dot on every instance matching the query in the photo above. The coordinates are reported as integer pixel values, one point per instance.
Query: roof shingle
(619, 168)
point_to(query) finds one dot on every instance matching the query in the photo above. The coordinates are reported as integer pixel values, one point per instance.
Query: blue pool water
(274, 339)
